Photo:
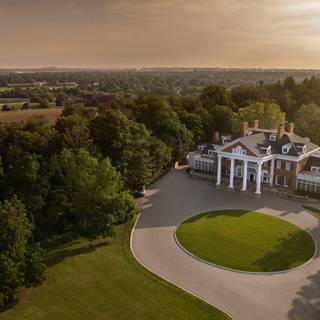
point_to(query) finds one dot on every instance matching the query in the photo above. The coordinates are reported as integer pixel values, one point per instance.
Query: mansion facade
(258, 157)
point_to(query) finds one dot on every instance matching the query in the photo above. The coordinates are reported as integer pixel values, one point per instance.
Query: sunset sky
(160, 33)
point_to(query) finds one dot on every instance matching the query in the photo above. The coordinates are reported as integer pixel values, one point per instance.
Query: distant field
(3, 89)
(22, 115)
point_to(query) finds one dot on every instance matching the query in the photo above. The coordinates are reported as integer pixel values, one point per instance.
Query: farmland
(22, 115)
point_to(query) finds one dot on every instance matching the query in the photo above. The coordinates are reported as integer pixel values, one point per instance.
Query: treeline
(159, 82)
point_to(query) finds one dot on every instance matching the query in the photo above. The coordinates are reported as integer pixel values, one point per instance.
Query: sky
(160, 33)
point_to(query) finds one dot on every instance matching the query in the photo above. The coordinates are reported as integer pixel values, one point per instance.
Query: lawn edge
(240, 271)
(165, 279)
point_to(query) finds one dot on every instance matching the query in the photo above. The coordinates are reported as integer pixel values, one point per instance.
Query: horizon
(110, 34)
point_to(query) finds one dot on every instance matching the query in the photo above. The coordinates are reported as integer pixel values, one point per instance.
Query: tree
(44, 104)
(307, 122)
(74, 131)
(62, 99)
(214, 95)
(20, 260)
(269, 114)
(126, 143)
(86, 195)
(158, 116)
(222, 119)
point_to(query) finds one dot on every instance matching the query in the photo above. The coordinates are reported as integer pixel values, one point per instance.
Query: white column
(219, 171)
(231, 174)
(245, 175)
(258, 179)
(271, 173)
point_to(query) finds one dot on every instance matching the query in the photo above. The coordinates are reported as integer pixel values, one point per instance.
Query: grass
(101, 281)
(246, 241)
(314, 211)
(51, 115)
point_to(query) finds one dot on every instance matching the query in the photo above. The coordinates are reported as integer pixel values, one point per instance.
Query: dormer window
(267, 149)
(286, 149)
(200, 148)
(273, 137)
(247, 133)
(210, 152)
(302, 148)
(225, 139)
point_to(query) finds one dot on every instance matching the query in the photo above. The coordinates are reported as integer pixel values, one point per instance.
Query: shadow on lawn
(214, 214)
(297, 245)
(58, 256)
(306, 306)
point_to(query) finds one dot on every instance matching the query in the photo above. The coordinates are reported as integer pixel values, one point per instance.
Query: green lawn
(103, 281)
(314, 211)
(247, 241)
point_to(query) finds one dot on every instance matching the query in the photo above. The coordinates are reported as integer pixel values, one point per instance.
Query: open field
(102, 280)
(246, 241)
(22, 115)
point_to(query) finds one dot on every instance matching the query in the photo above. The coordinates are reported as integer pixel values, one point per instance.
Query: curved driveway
(292, 295)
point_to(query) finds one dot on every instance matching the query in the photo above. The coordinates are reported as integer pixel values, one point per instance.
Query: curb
(239, 271)
(163, 278)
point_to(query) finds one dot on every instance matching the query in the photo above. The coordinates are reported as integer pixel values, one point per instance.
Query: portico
(258, 164)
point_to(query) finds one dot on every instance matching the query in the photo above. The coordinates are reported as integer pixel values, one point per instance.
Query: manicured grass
(314, 211)
(103, 281)
(246, 241)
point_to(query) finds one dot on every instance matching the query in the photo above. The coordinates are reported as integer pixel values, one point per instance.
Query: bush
(5, 107)
(308, 194)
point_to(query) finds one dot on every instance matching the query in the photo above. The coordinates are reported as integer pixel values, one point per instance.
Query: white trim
(236, 141)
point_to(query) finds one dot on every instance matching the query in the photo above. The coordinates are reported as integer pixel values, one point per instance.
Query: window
(286, 148)
(200, 148)
(279, 163)
(210, 152)
(247, 133)
(239, 150)
(225, 140)
(282, 181)
(315, 169)
(288, 166)
(310, 186)
(272, 137)
(265, 177)
(239, 172)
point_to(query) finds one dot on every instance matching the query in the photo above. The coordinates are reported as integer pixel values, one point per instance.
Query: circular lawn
(246, 241)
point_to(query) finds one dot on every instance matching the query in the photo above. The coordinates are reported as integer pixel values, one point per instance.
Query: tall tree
(86, 195)
(20, 259)
(269, 114)
(307, 122)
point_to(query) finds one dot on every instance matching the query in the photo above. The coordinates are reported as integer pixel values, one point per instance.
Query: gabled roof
(259, 141)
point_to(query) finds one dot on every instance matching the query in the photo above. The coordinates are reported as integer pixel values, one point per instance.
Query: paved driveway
(175, 197)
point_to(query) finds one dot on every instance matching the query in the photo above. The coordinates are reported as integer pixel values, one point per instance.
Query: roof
(259, 141)
(312, 161)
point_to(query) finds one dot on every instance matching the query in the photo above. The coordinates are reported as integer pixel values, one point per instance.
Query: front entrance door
(252, 177)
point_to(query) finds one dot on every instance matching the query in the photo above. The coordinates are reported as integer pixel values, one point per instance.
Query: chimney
(290, 127)
(215, 137)
(255, 124)
(280, 131)
(245, 126)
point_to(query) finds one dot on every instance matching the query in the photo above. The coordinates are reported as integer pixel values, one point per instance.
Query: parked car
(140, 192)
